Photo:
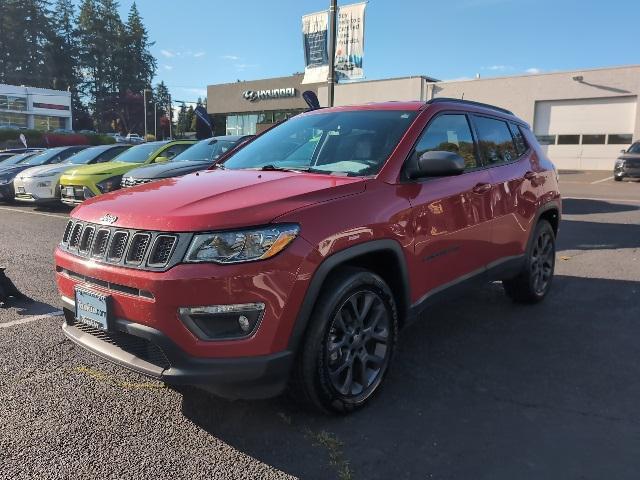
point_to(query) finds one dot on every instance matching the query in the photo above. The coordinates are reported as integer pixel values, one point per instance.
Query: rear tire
(534, 281)
(349, 343)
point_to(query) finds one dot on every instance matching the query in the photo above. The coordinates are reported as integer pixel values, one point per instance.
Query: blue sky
(201, 42)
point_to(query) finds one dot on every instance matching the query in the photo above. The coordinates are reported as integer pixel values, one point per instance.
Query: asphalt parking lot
(482, 388)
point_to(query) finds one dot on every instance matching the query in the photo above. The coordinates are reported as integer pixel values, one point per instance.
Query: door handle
(530, 176)
(482, 188)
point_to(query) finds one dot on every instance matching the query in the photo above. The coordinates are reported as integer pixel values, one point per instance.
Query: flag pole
(333, 13)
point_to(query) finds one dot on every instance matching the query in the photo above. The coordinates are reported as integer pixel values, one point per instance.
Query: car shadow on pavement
(28, 307)
(480, 388)
(579, 235)
(579, 206)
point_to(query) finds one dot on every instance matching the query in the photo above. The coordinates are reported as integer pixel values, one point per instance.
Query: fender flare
(334, 261)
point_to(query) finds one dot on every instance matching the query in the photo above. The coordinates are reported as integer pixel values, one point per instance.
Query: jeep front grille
(129, 248)
(132, 182)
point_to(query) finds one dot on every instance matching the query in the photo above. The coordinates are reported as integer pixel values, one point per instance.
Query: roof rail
(467, 102)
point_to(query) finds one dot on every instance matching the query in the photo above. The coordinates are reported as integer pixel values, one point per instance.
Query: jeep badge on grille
(108, 219)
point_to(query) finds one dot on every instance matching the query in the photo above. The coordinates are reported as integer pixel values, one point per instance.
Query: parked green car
(88, 181)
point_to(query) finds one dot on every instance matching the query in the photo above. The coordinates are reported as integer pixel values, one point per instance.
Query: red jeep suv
(295, 261)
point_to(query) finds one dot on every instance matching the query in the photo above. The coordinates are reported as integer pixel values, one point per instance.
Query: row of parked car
(75, 173)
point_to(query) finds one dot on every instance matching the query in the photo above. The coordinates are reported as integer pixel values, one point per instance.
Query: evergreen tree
(190, 120)
(182, 120)
(139, 64)
(161, 97)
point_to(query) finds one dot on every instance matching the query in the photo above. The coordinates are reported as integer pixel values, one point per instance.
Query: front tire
(617, 178)
(349, 345)
(534, 281)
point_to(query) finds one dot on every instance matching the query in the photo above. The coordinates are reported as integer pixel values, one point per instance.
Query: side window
(518, 138)
(495, 140)
(451, 133)
(174, 150)
(110, 155)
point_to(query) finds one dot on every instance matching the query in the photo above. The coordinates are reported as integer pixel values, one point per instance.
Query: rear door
(450, 215)
(513, 168)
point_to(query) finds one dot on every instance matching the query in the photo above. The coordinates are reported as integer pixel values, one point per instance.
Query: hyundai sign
(255, 95)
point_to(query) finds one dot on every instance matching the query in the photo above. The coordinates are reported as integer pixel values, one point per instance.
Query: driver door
(451, 215)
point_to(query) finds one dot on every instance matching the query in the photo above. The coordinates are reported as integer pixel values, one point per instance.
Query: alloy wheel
(542, 262)
(358, 343)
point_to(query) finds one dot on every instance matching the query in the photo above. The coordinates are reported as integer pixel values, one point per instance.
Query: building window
(9, 102)
(16, 120)
(593, 139)
(46, 122)
(619, 138)
(546, 139)
(242, 124)
(50, 106)
(568, 139)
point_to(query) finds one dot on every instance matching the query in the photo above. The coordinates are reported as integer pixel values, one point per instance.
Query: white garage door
(585, 134)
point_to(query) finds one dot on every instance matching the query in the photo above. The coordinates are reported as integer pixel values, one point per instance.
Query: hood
(114, 168)
(216, 199)
(629, 156)
(168, 169)
(13, 169)
(46, 170)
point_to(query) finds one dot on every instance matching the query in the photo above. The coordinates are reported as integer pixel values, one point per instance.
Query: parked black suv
(628, 164)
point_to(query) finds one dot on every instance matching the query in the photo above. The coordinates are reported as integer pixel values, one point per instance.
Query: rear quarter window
(495, 140)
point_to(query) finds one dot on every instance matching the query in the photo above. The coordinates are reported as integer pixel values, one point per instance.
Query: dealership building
(34, 108)
(582, 118)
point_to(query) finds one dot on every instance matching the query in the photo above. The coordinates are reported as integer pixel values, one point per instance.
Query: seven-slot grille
(125, 247)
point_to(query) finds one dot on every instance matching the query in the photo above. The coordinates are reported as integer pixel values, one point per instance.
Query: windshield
(635, 148)
(205, 151)
(19, 158)
(138, 154)
(42, 158)
(85, 156)
(355, 143)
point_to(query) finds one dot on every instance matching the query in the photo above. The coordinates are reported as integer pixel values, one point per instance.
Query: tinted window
(546, 139)
(568, 139)
(174, 150)
(495, 140)
(518, 138)
(449, 133)
(85, 156)
(619, 139)
(593, 139)
(205, 150)
(111, 154)
(344, 142)
(48, 156)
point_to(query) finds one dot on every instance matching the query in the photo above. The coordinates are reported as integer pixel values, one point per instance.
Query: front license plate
(21, 190)
(69, 192)
(92, 308)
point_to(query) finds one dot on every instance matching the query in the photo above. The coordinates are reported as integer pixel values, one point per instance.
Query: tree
(139, 64)
(182, 125)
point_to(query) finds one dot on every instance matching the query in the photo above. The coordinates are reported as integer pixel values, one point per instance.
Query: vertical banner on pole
(315, 38)
(350, 42)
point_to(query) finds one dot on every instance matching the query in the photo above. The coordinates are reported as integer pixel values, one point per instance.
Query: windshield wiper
(277, 168)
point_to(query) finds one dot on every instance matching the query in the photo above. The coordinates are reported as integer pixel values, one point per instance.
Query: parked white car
(41, 185)
(134, 138)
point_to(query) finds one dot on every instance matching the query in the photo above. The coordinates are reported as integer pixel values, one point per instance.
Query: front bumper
(6, 192)
(148, 351)
(27, 190)
(144, 304)
(626, 171)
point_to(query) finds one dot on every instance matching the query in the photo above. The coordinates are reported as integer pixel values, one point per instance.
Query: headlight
(619, 162)
(241, 246)
(46, 183)
(109, 184)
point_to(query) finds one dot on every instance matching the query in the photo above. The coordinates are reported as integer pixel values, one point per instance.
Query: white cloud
(498, 68)
(533, 70)
(168, 67)
(199, 54)
(167, 53)
(244, 66)
(230, 57)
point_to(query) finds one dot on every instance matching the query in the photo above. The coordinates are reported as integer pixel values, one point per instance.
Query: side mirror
(161, 159)
(623, 151)
(437, 163)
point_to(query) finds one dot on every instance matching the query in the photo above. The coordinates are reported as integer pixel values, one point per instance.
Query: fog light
(222, 322)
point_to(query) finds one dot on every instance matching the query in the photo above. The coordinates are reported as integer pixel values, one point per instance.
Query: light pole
(144, 99)
(333, 13)
(170, 117)
(155, 120)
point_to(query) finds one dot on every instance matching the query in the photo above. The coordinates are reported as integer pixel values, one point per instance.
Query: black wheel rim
(542, 262)
(358, 344)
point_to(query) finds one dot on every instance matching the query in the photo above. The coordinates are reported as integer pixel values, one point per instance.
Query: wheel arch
(382, 257)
